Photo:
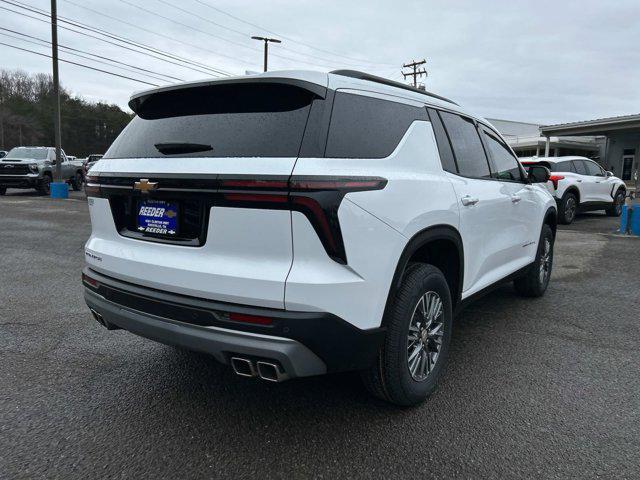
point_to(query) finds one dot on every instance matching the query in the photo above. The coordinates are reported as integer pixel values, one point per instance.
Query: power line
(330, 62)
(119, 38)
(80, 65)
(138, 27)
(156, 75)
(200, 66)
(204, 32)
(287, 38)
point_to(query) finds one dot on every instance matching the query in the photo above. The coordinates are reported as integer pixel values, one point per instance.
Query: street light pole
(56, 89)
(266, 48)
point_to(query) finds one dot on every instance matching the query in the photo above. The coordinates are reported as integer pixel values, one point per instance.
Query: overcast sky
(538, 61)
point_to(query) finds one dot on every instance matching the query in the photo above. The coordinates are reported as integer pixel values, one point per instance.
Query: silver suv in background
(33, 167)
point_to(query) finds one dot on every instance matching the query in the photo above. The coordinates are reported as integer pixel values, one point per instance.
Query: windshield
(21, 153)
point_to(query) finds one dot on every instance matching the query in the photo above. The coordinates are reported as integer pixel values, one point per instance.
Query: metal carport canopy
(600, 126)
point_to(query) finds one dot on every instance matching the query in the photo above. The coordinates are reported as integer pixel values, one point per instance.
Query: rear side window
(366, 127)
(236, 120)
(444, 147)
(467, 147)
(505, 165)
(563, 167)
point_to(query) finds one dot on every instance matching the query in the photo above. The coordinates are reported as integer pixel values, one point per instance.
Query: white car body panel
(247, 262)
(274, 258)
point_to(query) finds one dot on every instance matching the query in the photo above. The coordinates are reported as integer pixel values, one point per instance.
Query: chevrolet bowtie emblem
(145, 186)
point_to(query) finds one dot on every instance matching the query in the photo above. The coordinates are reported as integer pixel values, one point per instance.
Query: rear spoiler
(138, 99)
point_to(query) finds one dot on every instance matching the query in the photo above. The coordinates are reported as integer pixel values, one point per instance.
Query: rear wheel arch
(440, 246)
(574, 190)
(551, 219)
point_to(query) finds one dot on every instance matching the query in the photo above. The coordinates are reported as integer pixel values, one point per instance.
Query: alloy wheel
(618, 203)
(426, 330)
(570, 208)
(545, 262)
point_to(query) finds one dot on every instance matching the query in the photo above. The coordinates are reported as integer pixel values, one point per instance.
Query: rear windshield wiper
(172, 148)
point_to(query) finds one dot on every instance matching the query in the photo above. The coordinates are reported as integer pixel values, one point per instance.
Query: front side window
(367, 127)
(467, 147)
(594, 169)
(580, 166)
(505, 165)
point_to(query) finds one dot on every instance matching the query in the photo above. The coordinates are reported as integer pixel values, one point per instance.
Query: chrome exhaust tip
(97, 317)
(271, 372)
(100, 319)
(243, 367)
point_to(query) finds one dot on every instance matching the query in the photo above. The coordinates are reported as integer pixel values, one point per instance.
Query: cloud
(535, 61)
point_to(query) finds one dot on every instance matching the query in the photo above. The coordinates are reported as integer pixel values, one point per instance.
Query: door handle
(515, 198)
(469, 200)
(579, 180)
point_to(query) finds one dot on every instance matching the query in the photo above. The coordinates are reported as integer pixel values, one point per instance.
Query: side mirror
(539, 174)
(609, 174)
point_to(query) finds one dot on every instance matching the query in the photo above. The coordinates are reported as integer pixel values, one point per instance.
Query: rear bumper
(302, 343)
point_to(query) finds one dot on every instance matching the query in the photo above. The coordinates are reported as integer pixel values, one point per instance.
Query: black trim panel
(338, 343)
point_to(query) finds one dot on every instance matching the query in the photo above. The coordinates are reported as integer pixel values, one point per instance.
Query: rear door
(486, 210)
(523, 210)
(185, 206)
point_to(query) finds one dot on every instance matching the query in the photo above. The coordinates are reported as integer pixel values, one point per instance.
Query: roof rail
(385, 81)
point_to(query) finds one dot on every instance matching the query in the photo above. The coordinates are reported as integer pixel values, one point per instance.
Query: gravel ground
(544, 388)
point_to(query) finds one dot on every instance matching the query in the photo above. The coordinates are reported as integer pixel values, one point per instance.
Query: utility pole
(266, 47)
(415, 73)
(56, 89)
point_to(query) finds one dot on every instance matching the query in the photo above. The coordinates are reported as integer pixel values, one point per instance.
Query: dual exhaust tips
(268, 371)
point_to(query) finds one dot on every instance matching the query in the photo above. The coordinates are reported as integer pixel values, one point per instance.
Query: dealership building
(613, 142)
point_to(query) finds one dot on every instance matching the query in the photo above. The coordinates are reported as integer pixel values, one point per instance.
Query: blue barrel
(59, 190)
(634, 225)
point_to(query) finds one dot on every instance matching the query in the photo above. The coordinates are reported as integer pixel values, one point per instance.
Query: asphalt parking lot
(544, 388)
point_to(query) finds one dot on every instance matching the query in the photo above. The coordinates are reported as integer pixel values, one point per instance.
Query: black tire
(44, 187)
(77, 182)
(568, 208)
(616, 209)
(3, 190)
(534, 283)
(390, 378)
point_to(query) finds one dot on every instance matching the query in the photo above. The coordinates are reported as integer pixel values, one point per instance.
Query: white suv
(579, 184)
(298, 223)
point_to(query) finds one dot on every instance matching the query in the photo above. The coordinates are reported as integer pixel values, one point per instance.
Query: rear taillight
(318, 198)
(90, 281)
(92, 186)
(554, 179)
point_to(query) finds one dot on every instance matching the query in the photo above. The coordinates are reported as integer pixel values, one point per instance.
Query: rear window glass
(239, 120)
(366, 127)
